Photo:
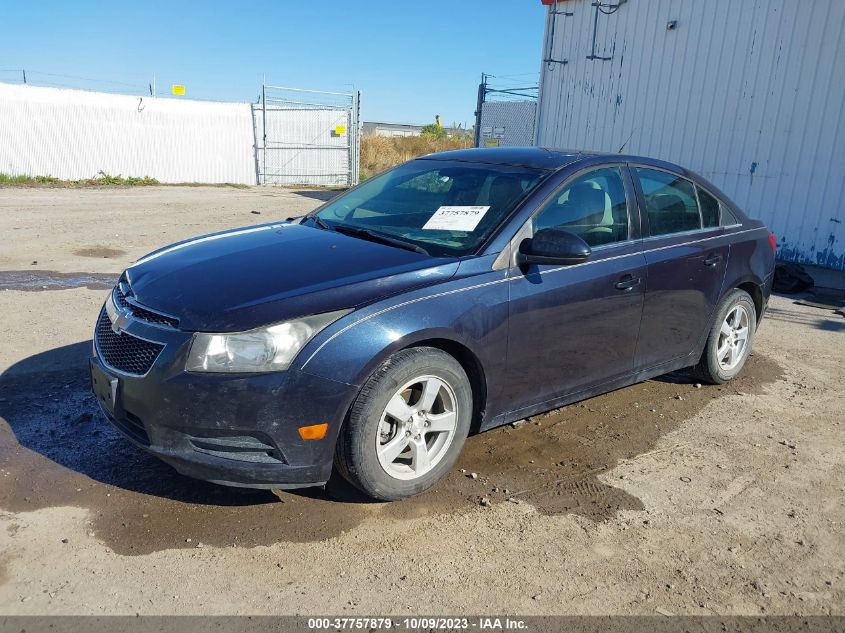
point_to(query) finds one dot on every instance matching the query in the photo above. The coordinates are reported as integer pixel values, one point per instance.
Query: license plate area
(105, 388)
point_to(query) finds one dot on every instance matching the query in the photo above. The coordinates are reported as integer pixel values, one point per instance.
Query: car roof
(531, 157)
(540, 157)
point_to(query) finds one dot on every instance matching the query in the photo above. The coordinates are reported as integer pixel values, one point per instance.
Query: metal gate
(307, 137)
(505, 116)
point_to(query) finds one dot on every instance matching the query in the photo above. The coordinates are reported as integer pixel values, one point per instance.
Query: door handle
(627, 282)
(712, 260)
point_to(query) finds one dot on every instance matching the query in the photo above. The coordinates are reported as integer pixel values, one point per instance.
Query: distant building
(378, 128)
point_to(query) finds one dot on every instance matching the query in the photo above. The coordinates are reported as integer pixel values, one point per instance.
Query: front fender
(471, 312)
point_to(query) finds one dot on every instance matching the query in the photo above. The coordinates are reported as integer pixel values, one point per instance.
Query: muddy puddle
(99, 252)
(38, 280)
(57, 450)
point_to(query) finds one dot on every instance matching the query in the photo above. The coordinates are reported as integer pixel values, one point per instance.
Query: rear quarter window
(709, 208)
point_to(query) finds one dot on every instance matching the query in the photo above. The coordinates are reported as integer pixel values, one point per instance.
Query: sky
(410, 60)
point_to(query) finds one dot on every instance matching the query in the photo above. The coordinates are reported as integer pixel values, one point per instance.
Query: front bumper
(231, 429)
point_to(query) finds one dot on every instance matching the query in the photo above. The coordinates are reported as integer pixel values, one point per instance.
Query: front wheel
(730, 339)
(407, 426)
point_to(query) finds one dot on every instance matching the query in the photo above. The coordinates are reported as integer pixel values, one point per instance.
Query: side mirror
(553, 246)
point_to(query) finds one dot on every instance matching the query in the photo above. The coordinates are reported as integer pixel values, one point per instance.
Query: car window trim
(507, 258)
(694, 184)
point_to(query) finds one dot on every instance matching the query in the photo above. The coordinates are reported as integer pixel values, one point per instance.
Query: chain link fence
(506, 112)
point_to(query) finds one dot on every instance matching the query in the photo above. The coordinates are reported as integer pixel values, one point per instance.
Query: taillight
(773, 242)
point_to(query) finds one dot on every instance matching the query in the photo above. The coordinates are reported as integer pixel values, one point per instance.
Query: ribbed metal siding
(74, 134)
(748, 94)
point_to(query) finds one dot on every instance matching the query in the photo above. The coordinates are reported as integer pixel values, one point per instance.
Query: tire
(372, 433)
(710, 368)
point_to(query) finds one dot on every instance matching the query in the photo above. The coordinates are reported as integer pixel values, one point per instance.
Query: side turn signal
(313, 432)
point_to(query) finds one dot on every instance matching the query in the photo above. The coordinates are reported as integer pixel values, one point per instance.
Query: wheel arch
(756, 292)
(471, 365)
(466, 358)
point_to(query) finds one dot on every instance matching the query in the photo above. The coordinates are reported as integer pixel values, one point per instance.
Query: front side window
(670, 202)
(593, 206)
(446, 208)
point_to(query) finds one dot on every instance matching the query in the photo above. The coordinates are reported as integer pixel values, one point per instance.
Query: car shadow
(46, 401)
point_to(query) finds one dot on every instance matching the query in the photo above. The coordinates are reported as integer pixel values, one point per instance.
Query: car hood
(250, 277)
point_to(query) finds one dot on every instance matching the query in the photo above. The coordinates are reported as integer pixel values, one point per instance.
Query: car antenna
(630, 136)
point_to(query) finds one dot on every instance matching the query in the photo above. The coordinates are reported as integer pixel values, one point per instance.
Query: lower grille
(244, 448)
(125, 352)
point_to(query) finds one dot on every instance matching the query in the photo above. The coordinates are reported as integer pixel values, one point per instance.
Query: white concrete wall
(749, 94)
(75, 134)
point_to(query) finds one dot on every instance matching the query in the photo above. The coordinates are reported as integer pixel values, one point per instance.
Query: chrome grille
(125, 352)
(121, 294)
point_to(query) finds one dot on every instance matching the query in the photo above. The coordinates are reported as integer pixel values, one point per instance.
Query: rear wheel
(407, 426)
(730, 339)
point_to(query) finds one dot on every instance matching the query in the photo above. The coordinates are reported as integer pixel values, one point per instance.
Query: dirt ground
(664, 497)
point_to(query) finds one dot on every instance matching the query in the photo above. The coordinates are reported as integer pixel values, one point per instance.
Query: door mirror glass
(553, 246)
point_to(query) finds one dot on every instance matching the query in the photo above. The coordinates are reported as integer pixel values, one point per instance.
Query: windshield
(443, 207)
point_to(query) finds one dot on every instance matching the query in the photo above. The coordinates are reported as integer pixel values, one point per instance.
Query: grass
(8, 180)
(377, 154)
(382, 152)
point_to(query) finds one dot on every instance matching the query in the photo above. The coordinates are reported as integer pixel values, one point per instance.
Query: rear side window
(728, 216)
(593, 206)
(709, 208)
(670, 202)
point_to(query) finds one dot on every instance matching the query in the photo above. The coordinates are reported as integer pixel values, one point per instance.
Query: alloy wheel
(417, 427)
(732, 344)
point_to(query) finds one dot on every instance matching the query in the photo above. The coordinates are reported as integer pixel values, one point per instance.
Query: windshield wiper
(378, 237)
(320, 222)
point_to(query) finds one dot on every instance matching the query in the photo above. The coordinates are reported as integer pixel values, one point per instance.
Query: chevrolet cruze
(454, 293)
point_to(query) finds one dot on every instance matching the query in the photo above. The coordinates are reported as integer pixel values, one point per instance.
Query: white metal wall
(74, 134)
(749, 94)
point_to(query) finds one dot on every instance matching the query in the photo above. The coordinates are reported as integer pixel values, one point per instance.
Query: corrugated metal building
(749, 94)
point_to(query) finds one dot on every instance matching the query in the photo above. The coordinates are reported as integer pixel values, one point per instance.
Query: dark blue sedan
(452, 294)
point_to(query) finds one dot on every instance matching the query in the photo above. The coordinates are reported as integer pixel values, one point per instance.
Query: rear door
(574, 327)
(686, 257)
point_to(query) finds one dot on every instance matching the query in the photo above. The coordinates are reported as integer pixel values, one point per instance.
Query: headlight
(271, 348)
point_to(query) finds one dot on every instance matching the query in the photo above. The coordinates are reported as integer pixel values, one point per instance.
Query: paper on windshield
(455, 218)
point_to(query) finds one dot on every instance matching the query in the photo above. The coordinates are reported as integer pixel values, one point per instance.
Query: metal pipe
(264, 134)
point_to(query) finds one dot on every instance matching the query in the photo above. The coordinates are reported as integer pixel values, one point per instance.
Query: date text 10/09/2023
(418, 623)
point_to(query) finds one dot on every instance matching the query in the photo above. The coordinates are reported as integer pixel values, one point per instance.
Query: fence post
(263, 179)
(482, 93)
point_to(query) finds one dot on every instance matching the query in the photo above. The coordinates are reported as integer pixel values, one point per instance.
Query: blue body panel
(531, 338)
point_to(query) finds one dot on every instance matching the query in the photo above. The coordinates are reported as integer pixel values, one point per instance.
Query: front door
(574, 327)
(686, 255)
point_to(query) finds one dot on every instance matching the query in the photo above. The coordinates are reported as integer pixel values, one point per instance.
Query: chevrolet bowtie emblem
(120, 322)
